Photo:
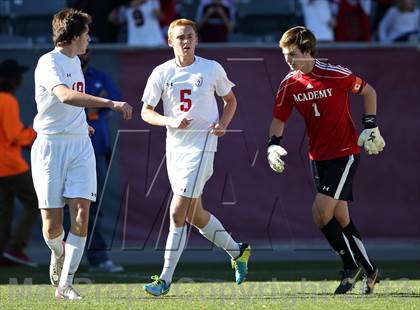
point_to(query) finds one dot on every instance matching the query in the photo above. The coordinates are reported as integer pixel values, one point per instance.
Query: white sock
(175, 245)
(216, 233)
(74, 252)
(56, 245)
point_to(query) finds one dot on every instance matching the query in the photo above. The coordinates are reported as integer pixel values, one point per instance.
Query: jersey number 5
(186, 102)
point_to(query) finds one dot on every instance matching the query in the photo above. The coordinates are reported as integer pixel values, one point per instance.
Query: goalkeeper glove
(370, 137)
(274, 154)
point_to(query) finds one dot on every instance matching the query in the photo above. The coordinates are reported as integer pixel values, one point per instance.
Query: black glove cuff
(274, 140)
(369, 121)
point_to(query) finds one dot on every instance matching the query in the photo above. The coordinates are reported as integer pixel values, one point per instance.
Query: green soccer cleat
(240, 264)
(157, 288)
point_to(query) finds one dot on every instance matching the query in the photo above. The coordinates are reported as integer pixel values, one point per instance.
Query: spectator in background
(102, 30)
(352, 20)
(168, 8)
(381, 8)
(15, 175)
(400, 23)
(319, 19)
(99, 84)
(142, 18)
(215, 20)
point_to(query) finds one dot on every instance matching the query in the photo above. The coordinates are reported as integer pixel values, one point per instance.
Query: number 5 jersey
(189, 92)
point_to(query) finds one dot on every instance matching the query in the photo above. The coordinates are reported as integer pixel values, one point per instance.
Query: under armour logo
(326, 188)
(93, 195)
(68, 74)
(169, 84)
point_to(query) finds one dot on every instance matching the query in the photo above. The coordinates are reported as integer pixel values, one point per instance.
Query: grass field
(285, 285)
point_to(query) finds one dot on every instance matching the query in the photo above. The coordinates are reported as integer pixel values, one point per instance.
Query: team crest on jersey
(199, 81)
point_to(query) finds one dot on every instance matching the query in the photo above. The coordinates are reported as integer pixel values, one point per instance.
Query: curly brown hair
(67, 24)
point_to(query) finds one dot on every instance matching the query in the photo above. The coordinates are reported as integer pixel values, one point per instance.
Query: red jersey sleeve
(352, 83)
(283, 106)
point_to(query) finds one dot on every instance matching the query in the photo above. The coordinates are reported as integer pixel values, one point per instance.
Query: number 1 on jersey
(317, 114)
(186, 102)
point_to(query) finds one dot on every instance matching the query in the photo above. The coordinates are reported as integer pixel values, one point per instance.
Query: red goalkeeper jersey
(321, 97)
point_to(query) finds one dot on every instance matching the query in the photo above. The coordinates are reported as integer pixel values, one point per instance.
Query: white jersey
(189, 92)
(143, 25)
(54, 116)
(318, 16)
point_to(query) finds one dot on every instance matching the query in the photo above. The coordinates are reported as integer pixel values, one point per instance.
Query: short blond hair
(181, 22)
(301, 37)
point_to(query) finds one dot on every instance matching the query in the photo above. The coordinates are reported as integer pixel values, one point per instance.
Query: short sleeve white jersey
(189, 92)
(54, 116)
(142, 23)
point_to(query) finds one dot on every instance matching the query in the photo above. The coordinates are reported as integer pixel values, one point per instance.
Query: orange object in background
(13, 135)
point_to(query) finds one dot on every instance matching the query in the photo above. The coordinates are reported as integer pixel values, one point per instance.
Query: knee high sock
(338, 241)
(216, 233)
(56, 245)
(175, 244)
(74, 248)
(358, 248)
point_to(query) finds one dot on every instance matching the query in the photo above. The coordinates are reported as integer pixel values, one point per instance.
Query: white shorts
(63, 166)
(189, 172)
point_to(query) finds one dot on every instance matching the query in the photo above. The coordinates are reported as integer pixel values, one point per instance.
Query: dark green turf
(218, 272)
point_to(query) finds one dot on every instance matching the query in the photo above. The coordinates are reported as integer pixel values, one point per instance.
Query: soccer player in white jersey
(63, 162)
(186, 85)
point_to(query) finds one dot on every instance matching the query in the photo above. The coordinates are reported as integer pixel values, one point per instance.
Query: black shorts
(334, 177)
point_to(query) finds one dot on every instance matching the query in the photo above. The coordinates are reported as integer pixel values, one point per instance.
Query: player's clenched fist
(371, 138)
(274, 154)
(124, 108)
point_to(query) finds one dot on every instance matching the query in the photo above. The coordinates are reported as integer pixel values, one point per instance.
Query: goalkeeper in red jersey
(319, 91)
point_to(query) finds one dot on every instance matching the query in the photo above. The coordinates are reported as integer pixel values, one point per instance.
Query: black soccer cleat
(348, 280)
(369, 281)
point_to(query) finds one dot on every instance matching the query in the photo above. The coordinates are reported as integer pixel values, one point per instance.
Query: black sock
(356, 244)
(334, 234)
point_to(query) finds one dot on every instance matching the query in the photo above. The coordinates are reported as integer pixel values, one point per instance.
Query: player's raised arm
(370, 137)
(149, 115)
(229, 108)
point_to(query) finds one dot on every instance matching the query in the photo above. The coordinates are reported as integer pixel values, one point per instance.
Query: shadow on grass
(217, 272)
